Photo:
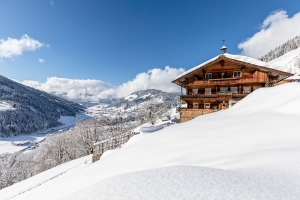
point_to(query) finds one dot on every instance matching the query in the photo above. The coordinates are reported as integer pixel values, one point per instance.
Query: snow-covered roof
(241, 58)
(224, 47)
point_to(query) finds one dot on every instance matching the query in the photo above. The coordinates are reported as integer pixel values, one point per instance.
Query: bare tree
(61, 147)
(297, 62)
(151, 111)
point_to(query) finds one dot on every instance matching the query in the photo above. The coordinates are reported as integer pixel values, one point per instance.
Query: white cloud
(154, 79)
(41, 60)
(14, 47)
(34, 84)
(72, 88)
(52, 3)
(93, 90)
(275, 30)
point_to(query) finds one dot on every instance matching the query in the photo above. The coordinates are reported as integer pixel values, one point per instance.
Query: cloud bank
(14, 47)
(275, 30)
(92, 90)
(71, 88)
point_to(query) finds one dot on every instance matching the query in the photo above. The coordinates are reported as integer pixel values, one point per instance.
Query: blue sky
(114, 40)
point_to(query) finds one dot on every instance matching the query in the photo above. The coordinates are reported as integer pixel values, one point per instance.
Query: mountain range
(129, 106)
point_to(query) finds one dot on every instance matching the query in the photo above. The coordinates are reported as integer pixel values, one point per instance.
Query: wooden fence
(112, 143)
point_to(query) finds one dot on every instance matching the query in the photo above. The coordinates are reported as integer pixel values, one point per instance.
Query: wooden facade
(221, 83)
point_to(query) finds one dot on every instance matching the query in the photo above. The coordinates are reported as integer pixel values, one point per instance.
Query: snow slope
(287, 62)
(250, 151)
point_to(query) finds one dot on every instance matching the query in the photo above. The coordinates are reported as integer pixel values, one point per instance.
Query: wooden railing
(109, 144)
(225, 81)
(209, 97)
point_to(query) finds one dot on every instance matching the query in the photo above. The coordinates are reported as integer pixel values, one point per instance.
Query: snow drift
(250, 151)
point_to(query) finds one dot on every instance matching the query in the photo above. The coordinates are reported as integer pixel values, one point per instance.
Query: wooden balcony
(226, 81)
(213, 97)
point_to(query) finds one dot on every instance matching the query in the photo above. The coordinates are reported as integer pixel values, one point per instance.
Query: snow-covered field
(250, 151)
(22, 142)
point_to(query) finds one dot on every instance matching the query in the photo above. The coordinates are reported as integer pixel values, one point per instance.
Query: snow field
(249, 151)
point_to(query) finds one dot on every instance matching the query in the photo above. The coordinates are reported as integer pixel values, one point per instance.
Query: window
(208, 76)
(223, 89)
(247, 89)
(207, 105)
(237, 74)
(255, 88)
(195, 91)
(207, 91)
(195, 105)
(234, 89)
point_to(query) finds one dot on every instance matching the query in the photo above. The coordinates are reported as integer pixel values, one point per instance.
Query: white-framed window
(208, 76)
(195, 91)
(237, 74)
(207, 90)
(195, 105)
(247, 89)
(223, 89)
(206, 105)
(234, 89)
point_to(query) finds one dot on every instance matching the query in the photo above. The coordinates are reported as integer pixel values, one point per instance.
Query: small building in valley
(223, 81)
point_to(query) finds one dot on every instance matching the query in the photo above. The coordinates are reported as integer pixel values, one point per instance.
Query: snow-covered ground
(5, 106)
(106, 110)
(22, 142)
(249, 151)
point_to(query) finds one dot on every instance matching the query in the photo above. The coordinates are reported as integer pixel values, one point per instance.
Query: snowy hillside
(130, 104)
(289, 62)
(285, 57)
(250, 151)
(290, 45)
(25, 110)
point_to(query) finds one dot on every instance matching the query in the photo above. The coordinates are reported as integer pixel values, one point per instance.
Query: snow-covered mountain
(25, 110)
(130, 104)
(249, 151)
(290, 45)
(286, 57)
(289, 62)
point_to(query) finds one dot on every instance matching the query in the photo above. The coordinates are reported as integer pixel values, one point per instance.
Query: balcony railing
(224, 81)
(213, 97)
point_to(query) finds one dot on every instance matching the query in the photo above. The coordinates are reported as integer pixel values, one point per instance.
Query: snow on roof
(197, 67)
(245, 59)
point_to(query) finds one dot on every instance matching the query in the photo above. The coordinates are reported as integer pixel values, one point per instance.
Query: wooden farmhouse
(222, 81)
